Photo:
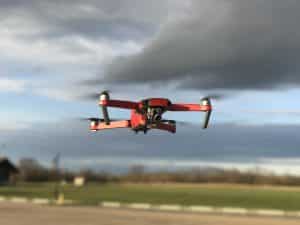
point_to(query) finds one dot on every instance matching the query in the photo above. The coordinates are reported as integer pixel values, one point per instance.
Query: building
(7, 171)
(79, 181)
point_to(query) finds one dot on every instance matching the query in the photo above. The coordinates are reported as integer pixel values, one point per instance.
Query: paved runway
(28, 214)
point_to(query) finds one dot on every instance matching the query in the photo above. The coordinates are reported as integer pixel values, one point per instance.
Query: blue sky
(52, 58)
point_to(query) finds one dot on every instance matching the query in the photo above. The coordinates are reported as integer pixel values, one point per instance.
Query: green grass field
(186, 194)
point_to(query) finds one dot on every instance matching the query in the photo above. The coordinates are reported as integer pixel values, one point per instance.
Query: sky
(56, 54)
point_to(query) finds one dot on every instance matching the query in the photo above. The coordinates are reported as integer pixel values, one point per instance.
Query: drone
(146, 114)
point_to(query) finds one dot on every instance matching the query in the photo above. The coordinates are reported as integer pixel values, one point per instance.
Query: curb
(37, 201)
(40, 201)
(203, 209)
(138, 206)
(18, 200)
(168, 208)
(111, 204)
(264, 212)
(240, 211)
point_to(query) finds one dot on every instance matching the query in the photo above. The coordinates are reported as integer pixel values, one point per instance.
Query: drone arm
(165, 127)
(189, 107)
(204, 106)
(118, 104)
(113, 124)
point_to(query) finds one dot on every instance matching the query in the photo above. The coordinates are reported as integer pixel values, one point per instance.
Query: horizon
(244, 52)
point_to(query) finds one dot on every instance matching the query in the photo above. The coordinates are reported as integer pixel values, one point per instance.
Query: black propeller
(98, 119)
(95, 95)
(216, 96)
(92, 119)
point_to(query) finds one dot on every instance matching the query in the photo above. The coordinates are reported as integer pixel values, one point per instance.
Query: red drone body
(146, 114)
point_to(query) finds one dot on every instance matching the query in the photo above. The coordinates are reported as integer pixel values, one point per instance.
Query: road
(28, 214)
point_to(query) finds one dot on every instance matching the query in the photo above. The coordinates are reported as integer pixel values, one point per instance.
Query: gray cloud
(116, 19)
(243, 144)
(227, 44)
(69, 40)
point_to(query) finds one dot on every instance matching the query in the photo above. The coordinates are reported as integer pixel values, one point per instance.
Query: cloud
(242, 145)
(63, 41)
(91, 19)
(227, 44)
(75, 33)
(62, 52)
(122, 164)
(272, 147)
(9, 85)
(11, 126)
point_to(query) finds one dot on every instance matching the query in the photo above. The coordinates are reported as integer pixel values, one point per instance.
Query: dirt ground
(28, 214)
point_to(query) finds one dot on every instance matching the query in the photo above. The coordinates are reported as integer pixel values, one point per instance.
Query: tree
(31, 170)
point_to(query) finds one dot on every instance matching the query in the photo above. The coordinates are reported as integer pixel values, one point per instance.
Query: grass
(214, 195)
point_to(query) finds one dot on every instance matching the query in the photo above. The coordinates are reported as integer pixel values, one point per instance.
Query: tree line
(32, 171)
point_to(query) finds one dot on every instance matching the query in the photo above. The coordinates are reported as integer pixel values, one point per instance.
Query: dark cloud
(115, 19)
(227, 44)
(221, 143)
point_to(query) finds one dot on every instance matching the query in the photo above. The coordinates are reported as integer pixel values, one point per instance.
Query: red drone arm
(204, 106)
(189, 107)
(112, 125)
(119, 104)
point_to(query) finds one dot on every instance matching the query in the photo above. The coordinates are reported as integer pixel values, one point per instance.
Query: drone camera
(157, 117)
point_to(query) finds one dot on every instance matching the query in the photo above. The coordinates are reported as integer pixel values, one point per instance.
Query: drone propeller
(168, 121)
(96, 95)
(215, 96)
(91, 119)
(186, 123)
(181, 122)
(98, 119)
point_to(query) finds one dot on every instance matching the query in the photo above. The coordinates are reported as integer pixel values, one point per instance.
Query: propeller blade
(95, 95)
(168, 121)
(181, 122)
(92, 119)
(215, 96)
(98, 119)
(186, 123)
(91, 96)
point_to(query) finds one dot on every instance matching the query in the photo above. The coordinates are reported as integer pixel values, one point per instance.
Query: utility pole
(55, 162)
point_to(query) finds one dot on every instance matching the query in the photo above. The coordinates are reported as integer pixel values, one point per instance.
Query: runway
(30, 214)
